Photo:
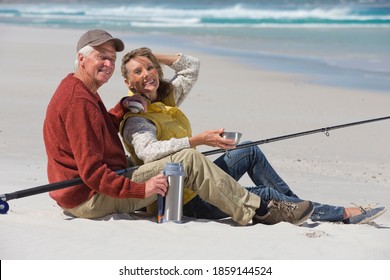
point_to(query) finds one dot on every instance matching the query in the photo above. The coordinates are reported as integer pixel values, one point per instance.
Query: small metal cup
(236, 136)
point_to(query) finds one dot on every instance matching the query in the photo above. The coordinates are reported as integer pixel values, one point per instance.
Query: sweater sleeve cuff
(136, 190)
(120, 107)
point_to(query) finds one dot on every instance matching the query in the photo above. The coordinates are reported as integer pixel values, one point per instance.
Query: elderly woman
(164, 129)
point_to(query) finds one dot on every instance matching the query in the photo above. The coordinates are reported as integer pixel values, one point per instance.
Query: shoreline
(357, 72)
(319, 69)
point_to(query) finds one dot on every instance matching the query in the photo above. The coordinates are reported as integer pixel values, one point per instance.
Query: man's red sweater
(82, 140)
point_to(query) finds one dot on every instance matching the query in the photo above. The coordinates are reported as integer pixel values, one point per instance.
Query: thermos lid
(174, 169)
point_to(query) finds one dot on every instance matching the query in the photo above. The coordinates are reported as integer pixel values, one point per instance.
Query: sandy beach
(350, 166)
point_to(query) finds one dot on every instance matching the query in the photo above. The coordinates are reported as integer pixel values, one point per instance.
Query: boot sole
(306, 217)
(369, 219)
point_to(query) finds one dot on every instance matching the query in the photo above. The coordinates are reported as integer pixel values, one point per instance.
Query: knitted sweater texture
(81, 139)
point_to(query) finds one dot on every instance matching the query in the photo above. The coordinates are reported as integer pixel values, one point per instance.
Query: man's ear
(127, 82)
(80, 58)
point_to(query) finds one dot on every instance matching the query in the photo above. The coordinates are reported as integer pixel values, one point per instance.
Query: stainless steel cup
(173, 204)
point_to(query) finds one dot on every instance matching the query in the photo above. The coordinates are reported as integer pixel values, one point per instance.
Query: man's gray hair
(85, 51)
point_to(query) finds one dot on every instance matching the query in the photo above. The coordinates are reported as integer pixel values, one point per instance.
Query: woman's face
(142, 77)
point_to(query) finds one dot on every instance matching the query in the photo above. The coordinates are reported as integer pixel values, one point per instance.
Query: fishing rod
(4, 207)
(294, 135)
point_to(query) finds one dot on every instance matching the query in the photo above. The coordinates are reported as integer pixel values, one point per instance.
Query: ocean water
(336, 42)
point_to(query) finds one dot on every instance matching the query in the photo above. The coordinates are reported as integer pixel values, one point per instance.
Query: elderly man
(81, 139)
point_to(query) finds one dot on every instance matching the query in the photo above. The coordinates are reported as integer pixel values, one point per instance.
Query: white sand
(350, 166)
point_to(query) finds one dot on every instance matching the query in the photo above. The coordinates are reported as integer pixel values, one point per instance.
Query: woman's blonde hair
(165, 86)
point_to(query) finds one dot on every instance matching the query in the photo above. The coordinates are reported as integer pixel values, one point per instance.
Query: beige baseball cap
(97, 37)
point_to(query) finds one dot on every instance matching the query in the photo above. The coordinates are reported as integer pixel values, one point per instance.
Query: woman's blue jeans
(268, 185)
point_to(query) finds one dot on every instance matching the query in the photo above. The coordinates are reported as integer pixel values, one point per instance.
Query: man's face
(100, 64)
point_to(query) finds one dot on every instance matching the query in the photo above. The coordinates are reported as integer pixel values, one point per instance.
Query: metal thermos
(173, 200)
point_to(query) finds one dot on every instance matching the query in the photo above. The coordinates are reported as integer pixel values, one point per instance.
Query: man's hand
(130, 103)
(156, 185)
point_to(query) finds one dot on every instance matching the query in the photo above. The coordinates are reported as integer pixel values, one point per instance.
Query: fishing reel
(4, 207)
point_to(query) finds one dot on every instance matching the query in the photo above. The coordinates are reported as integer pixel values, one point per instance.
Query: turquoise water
(343, 43)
